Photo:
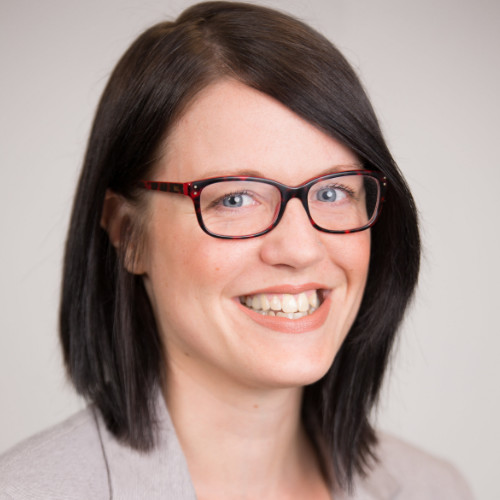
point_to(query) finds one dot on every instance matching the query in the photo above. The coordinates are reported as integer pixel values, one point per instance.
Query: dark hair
(111, 345)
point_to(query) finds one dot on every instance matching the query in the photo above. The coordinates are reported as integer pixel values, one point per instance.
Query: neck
(235, 440)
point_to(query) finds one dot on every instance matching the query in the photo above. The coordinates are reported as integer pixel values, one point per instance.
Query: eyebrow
(342, 168)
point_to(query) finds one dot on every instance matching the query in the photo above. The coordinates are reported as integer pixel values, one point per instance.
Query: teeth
(275, 303)
(313, 300)
(264, 303)
(285, 306)
(256, 302)
(289, 304)
(284, 315)
(302, 302)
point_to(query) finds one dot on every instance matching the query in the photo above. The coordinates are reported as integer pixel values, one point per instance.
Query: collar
(163, 472)
(158, 474)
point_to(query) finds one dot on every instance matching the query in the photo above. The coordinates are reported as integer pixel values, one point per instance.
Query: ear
(116, 217)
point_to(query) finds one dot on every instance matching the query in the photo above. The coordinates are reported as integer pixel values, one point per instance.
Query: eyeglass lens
(245, 207)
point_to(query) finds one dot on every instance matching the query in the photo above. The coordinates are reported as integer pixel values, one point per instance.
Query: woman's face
(197, 283)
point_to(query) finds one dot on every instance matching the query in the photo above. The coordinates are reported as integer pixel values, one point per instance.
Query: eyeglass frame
(193, 190)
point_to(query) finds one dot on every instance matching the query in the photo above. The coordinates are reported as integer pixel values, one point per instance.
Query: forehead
(232, 129)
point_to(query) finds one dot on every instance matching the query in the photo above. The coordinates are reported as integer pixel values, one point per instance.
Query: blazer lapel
(163, 472)
(158, 474)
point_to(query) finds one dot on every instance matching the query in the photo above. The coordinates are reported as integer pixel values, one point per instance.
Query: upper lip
(290, 289)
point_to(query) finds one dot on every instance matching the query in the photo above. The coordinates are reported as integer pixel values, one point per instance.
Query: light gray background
(432, 70)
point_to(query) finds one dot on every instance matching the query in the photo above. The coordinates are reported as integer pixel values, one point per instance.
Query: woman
(232, 345)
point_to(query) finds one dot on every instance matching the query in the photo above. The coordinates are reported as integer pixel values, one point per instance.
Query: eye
(240, 199)
(330, 194)
(236, 200)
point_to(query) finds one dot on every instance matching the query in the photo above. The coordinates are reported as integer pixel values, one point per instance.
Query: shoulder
(80, 459)
(64, 462)
(404, 472)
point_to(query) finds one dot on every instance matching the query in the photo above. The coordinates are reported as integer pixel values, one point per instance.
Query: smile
(285, 305)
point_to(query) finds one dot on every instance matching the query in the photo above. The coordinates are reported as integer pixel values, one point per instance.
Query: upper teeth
(297, 305)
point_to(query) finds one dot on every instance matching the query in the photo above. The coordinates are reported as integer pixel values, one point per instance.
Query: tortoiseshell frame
(193, 190)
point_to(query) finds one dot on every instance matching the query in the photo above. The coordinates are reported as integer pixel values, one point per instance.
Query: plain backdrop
(432, 70)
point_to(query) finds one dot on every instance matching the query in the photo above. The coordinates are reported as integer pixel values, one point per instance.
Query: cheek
(351, 254)
(351, 258)
(192, 263)
(360, 259)
(357, 268)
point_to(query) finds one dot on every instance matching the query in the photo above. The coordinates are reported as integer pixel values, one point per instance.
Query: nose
(293, 242)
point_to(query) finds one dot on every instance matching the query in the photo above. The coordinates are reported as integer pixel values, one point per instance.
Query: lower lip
(284, 325)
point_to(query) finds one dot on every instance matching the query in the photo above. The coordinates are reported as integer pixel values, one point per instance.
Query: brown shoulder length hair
(112, 349)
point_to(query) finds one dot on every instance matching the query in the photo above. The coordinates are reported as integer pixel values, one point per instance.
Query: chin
(298, 373)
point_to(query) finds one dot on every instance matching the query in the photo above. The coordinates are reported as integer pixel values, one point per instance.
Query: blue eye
(236, 200)
(330, 194)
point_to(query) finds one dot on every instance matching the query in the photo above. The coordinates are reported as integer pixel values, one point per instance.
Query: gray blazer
(80, 460)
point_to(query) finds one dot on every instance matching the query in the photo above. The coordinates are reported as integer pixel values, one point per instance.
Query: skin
(234, 384)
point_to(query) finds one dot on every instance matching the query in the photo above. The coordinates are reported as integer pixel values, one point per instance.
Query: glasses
(239, 207)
